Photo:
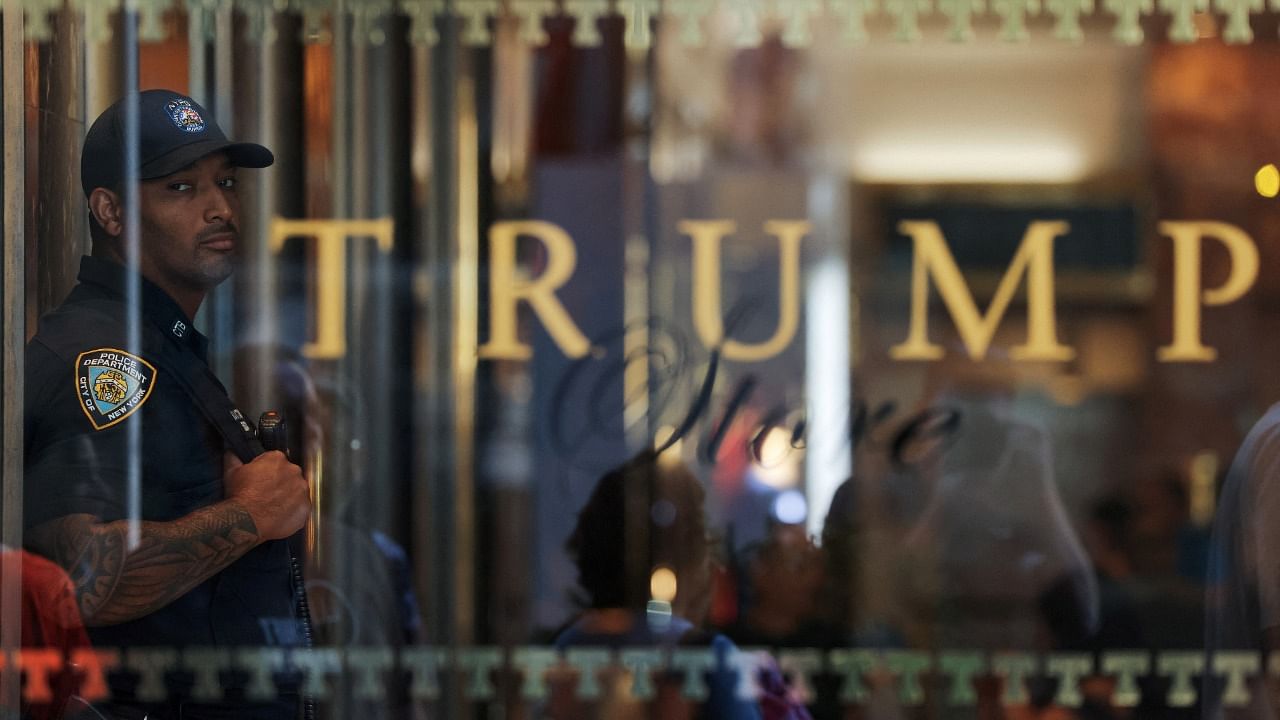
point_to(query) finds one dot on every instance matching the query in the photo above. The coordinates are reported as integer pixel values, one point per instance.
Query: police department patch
(185, 116)
(112, 384)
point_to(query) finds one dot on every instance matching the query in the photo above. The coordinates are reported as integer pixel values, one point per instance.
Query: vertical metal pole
(358, 81)
(341, 161)
(426, 530)
(218, 312)
(200, 21)
(198, 57)
(637, 251)
(224, 82)
(358, 97)
(466, 298)
(132, 254)
(444, 385)
(376, 135)
(347, 423)
(14, 329)
(262, 263)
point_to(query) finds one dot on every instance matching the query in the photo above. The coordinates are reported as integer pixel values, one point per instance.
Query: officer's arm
(114, 583)
(267, 499)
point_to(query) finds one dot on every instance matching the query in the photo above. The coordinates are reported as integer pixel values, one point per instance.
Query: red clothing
(50, 615)
(50, 620)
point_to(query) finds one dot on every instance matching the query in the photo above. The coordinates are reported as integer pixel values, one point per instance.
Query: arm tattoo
(114, 584)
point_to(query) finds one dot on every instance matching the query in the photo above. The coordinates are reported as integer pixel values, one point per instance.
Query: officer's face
(190, 235)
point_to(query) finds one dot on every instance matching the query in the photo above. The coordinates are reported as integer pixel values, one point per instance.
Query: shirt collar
(157, 306)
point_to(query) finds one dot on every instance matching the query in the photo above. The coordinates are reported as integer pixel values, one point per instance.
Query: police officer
(210, 566)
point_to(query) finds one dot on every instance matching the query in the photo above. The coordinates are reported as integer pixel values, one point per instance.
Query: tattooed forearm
(114, 584)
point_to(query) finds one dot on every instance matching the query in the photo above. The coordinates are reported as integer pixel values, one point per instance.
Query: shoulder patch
(112, 384)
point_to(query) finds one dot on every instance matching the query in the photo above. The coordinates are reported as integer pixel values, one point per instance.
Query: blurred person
(785, 600)
(785, 575)
(844, 619)
(1167, 543)
(1061, 624)
(1136, 612)
(1242, 599)
(1164, 550)
(987, 559)
(841, 569)
(1107, 538)
(1160, 513)
(993, 537)
(644, 516)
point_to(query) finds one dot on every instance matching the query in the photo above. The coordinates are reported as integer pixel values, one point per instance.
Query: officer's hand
(272, 490)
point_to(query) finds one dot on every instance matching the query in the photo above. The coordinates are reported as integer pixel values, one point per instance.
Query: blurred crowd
(977, 567)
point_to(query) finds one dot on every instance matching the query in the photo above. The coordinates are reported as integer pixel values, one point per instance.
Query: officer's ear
(106, 208)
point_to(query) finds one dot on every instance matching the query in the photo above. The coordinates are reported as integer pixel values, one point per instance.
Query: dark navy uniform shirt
(84, 387)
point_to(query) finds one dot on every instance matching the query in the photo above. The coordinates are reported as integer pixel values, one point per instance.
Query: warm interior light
(776, 446)
(779, 463)
(662, 585)
(1267, 181)
(893, 160)
(673, 453)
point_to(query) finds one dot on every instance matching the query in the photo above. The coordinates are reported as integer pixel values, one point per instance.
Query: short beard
(220, 266)
(214, 272)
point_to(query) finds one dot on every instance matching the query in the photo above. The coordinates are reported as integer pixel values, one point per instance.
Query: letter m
(1033, 259)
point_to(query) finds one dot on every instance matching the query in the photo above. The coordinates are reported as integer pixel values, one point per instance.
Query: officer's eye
(180, 186)
(227, 183)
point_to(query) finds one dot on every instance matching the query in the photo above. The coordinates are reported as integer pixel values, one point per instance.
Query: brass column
(12, 324)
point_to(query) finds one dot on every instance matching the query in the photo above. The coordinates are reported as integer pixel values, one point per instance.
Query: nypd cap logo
(185, 116)
(112, 384)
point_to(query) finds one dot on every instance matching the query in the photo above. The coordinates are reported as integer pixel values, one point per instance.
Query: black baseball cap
(175, 131)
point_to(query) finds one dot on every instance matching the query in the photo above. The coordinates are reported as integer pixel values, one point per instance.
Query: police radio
(273, 433)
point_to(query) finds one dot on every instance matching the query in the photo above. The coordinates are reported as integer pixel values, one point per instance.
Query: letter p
(1187, 293)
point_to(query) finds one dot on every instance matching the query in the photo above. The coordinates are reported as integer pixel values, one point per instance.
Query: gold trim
(1074, 21)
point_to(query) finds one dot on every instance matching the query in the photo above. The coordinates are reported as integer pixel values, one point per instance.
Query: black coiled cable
(304, 622)
(274, 436)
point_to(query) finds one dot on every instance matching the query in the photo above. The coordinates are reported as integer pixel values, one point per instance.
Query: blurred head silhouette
(644, 515)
